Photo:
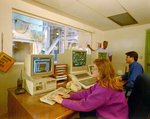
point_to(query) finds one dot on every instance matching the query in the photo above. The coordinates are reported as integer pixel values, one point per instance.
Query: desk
(26, 106)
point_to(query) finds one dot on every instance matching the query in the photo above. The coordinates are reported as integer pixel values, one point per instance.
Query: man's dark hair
(133, 54)
(105, 42)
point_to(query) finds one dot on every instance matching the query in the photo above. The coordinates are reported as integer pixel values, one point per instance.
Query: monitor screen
(75, 59)
(79, 58)
(97, 54)
(90, 69)
(100, 54)
(39, 65)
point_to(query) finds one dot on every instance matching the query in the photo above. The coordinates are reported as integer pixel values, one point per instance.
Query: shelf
(61, 74)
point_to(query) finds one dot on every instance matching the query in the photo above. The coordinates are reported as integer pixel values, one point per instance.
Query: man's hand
(88, 46)
(119, 78)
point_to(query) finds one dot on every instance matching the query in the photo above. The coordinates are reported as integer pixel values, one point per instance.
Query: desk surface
(27, 106)
(35, 108)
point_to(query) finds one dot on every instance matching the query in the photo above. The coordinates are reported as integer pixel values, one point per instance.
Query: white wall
(124, 40)
(9, 79)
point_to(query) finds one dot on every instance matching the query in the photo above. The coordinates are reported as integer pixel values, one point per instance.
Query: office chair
(139, 100)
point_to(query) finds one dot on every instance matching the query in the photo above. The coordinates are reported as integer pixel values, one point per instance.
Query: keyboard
(47, 98)
(88, 82)
(82, 75)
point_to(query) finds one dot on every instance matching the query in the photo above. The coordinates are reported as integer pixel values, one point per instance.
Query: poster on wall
(5, 62)
(98, 45)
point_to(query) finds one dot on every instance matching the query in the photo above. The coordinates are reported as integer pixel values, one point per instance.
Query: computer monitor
(75, 59)
(39, 65)
(90, 69)
(97, 54)
(102, 54)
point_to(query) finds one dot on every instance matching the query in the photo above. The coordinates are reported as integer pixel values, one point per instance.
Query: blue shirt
(134, 70)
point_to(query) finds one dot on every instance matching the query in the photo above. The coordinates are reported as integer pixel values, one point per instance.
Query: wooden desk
(26, 106)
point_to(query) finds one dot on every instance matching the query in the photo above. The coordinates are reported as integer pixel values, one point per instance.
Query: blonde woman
(105, 99)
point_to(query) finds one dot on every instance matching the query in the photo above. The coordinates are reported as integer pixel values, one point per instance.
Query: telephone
(73, 85)
(19, 89)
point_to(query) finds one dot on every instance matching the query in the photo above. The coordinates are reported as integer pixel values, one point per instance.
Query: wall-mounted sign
(99, 45)
(5, 62)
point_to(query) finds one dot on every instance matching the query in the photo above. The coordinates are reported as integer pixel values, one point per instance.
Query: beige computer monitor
(75, 59)
(90, 68)
(39, 65)
(97, 54)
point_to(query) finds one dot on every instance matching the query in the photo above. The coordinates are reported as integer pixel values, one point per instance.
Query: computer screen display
(97, 54)
(75, 59)
(90, 69)
(79, 58)
(41, 65)
(100, 54)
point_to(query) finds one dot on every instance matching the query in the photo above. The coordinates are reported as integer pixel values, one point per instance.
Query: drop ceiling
(97, 13)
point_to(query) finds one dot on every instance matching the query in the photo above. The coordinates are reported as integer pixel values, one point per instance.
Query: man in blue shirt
(134, 69)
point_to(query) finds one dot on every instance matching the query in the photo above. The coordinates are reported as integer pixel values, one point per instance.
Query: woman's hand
(63, 95)
(57, 98)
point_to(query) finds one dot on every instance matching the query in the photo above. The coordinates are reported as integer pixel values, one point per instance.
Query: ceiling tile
(142, 15)
(56, 3)
(105, 24)
(79, 10)
(104, 7)
(134, 4)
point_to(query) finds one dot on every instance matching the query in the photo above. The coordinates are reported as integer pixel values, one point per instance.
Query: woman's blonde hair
(107, 75)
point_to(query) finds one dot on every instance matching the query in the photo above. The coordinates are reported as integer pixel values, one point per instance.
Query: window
(71, 38)
(35, 36)
(78, 39)
(54, 39)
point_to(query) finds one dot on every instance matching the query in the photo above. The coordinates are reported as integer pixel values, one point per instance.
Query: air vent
(123, 19)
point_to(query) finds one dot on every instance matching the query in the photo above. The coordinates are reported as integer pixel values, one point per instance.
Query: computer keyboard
(88, 82)
(82, 75)
(47, 98)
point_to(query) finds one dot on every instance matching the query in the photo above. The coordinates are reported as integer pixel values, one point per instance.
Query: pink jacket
(107, 102)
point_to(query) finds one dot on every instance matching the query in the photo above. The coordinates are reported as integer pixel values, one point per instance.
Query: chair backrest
(139, 100)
